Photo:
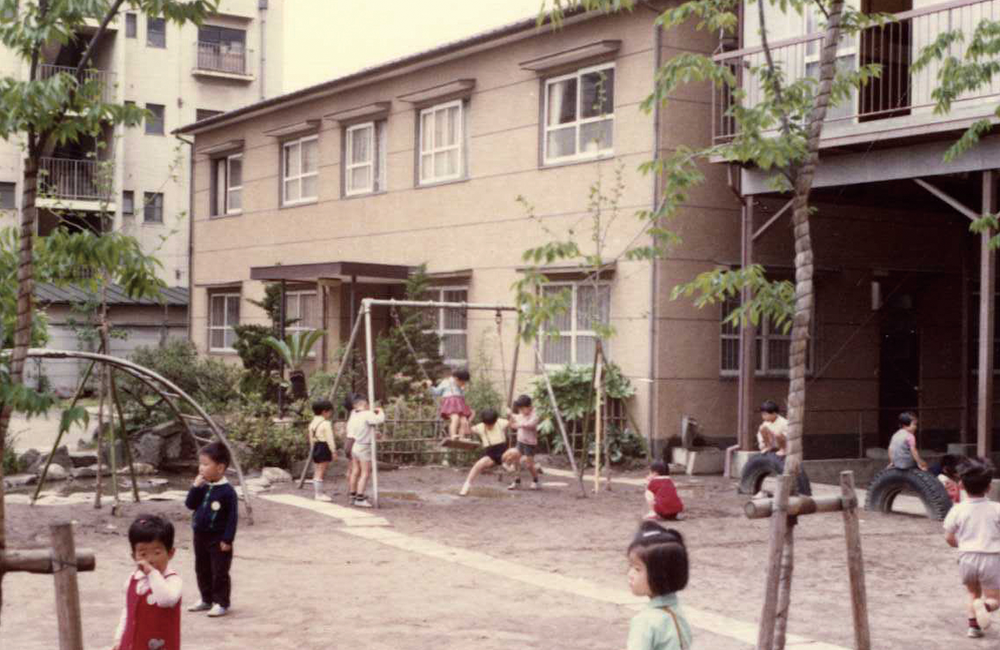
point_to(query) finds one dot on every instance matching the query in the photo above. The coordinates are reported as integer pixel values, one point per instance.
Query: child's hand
(923, 466)
(225, 548)
(199, 480)
(144, 566)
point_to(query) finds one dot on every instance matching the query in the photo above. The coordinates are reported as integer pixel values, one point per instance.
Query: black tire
(889, 483)
(760, 467)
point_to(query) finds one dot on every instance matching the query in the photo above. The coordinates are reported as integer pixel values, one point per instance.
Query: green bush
(261, 362)
(481, 392)
(11, 465)
(261, 442)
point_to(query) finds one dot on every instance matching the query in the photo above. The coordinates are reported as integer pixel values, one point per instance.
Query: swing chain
(406, 339)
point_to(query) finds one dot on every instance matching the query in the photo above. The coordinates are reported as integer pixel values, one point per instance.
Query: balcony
(103, 78)
(222, 61)
(74, 184)
(896, 105)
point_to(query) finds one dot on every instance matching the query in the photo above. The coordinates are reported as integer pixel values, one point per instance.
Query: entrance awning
(361, 272)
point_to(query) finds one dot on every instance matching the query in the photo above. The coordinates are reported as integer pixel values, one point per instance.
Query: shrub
(260, 441)
(482, 393)
(11, 465)
(260, 361)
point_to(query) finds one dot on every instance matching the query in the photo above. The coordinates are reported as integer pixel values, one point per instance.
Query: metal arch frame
(145, 374)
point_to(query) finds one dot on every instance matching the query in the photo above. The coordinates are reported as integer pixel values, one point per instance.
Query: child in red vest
(151, 619)
(661, 495)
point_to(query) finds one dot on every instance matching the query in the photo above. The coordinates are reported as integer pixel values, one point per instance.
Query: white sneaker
(982, 614)
(322, 497)
(513, 486)
(217, 611)
(200, 606)
(974, 633)
(362, 502)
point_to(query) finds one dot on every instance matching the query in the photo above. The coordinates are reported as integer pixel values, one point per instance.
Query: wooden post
(67, 590)
(855, 563)
(987, 290)
(965, 335)
(747, 337)
(559, 421)
(785, 587)
(779, 524)
(598, 394)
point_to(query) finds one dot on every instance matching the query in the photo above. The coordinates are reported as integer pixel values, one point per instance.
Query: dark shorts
(322, 453)
(526, 450)
(495, 453)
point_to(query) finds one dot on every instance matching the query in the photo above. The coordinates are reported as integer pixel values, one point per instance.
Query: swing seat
(461, 443)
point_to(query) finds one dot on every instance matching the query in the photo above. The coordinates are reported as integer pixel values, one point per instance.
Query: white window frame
(579, 122)
(763, 335)
(285, 146)
(231, 189)
(226, 325)
(434, 150)
(847, 50)
(375, 164)
(573, 333)
(297, 327)
(438, 294)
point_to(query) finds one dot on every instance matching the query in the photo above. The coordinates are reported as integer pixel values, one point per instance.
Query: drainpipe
(262, 7)
(654, 284)
(190, 310)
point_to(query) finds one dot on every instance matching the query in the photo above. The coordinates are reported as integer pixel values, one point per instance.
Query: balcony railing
(222, 57)
(899, 91)
(71, 179)
(103, 78)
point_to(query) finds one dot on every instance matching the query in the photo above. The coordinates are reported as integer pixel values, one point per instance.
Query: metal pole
(370, 361)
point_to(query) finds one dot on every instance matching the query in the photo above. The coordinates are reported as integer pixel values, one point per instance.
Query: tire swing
(891, 482)
(760, 467)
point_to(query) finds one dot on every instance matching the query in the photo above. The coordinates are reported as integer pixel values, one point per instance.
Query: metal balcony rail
(222, 57)
(75, 180)
(894, 46)
(104, 79)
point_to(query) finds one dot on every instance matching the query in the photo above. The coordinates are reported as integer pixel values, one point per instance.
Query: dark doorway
(899, 365)
(888, 46)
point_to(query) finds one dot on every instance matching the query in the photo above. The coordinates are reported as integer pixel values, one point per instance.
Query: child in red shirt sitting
(661, 494)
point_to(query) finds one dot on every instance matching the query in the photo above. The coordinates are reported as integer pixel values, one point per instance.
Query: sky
(329, 38)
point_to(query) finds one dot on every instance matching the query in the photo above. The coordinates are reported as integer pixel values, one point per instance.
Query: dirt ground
(300, 581)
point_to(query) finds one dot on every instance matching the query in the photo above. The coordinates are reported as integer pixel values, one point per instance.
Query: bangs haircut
(217, 452)
(461, 374)
(147, 529)
(663, 553)
(976, 475)
(522, 400)
(490, 416)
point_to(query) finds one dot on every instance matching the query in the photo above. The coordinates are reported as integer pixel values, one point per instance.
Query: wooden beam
(40, 560)
(767, 224)
(747, 339)
(776, 546)
(987, 291)
(855, 565)
(763, 508)
(947, 198)
(964, 353)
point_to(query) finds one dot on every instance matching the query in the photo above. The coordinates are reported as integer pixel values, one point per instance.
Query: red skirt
(454, 405)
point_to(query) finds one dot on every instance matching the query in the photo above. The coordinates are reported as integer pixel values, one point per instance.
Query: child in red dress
(453, 408)
(151, 619)
(661, 494)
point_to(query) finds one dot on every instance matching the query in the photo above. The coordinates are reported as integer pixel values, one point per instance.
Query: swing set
(364, 318)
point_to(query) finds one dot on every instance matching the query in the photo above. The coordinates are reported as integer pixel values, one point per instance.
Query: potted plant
(294, 351)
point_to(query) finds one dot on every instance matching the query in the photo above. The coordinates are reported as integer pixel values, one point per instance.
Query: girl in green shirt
(658, 569)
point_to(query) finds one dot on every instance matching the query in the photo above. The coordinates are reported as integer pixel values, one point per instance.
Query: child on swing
(322, 444)
(493, 433)
(453, 408)
(658, 569)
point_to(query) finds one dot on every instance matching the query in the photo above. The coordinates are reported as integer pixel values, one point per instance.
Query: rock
(61, 457)
(141, 469)
(56, 473)
(29, 458)
(19, 480)
(255, 485)
(276, 475)
(89, 472)
(149, 449)
(83, 458)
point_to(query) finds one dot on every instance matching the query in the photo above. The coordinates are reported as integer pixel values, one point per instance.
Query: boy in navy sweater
(215, 506)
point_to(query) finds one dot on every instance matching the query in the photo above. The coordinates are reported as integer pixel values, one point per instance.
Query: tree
(58, 109)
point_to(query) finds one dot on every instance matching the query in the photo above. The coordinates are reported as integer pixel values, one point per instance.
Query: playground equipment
(760, 467)
(891, 482)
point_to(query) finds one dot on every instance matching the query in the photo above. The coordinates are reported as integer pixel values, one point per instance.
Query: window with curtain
(451, 325)
(570, 338)
(441, 143)
(303, 308)
(155, 119)
(152, 211)
(156, 32)
(300, 170)
(223, 315)
(364, 158)
(579, 114)
(228, 192)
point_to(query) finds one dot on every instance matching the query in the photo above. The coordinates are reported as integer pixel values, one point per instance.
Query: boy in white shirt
(360, 432)
(973, 527)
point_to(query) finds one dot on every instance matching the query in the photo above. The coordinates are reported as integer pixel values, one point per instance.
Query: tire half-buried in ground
(760, 467)
(891, 482)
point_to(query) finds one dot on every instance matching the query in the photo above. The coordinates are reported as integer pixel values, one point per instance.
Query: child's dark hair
(663, 552)
(906, 418)
(151, 528)
(769, 406)
(321, 406)
(489, 416)
(950, 464)
(976, 475)
(358, 398)
(660, 468)
(522, 400)
(462, 374)
(217, 452)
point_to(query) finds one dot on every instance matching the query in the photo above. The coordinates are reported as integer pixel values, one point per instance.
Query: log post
(67, 590)
(779, 524)
(987, 292)
(598, 421)
(855, 563)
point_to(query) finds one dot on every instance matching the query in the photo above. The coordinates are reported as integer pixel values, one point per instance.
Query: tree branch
(103, 27)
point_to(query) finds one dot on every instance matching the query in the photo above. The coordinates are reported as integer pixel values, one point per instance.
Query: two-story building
(349, 184)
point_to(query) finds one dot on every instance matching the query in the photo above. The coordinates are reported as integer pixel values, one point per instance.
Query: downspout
(190, 310)
(653, 284)
(262, 7)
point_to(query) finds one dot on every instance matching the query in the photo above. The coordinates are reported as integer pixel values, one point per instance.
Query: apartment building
(138, 179)
(349, 184)
(905, 294)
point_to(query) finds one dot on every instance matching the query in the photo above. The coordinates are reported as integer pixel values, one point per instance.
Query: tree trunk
(785, 586)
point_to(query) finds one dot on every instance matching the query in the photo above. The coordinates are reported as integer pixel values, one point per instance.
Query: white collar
(221, 481)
